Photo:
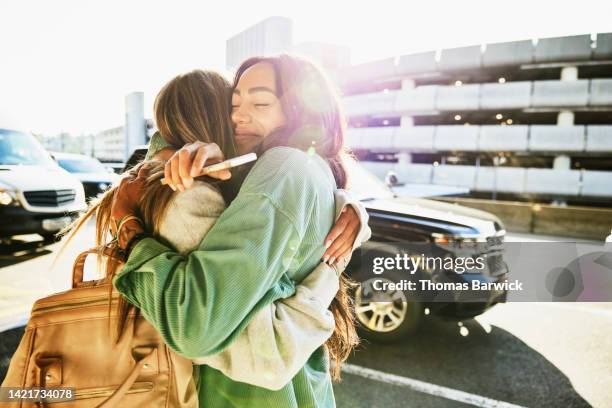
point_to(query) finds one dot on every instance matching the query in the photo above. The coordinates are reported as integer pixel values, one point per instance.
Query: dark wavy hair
(314, 122)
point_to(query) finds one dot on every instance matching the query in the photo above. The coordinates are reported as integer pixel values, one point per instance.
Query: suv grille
(496, 264)
(49, 198)
(495, 241)
(495, 257)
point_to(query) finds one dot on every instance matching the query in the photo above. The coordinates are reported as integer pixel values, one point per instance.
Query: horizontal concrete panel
(601, 92)
(379, 169)
(503, 138)
(573, 222)
(550, 181)
(414, 138)
(456, 137)
(419, 99)
(503, 179)
(459, 175)
(509, 95)
(556, 138)
(573, 48)
(508, 53)
(452, 59)
(560, 93)
(353, 138)
(599, 138)
(354, 105)
(367, 71)
(465, 97)
(379, 103)
(597, 183)
(603, 50)
(376, 138)
(414, 173)
(420, 63)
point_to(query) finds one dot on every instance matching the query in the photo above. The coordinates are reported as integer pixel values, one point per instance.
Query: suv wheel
(387, 321)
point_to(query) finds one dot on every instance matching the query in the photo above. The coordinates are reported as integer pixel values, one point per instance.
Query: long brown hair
(191, 107)
(314, 121)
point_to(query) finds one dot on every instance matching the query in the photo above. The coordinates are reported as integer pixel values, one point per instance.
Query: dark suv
(422, 224)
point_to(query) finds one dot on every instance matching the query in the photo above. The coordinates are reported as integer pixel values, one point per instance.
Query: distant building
(270, 36)
(330, 56)
(274, 35)
(520, 120)
(65, 142)
(110, 144)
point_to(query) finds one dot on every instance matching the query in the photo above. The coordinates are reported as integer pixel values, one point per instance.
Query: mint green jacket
(268, 239)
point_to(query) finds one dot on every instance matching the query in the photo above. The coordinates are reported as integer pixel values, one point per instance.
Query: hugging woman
(262, 248)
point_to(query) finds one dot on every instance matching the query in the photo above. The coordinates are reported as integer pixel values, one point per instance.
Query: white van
(36, 194)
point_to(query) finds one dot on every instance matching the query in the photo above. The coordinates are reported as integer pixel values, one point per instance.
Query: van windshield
(82, 165)
(21, 148)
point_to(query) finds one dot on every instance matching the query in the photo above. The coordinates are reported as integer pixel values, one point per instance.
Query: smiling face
(256, 108)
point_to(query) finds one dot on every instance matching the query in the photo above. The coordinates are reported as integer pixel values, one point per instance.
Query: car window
(84, 165)
(137, 156)
(21, 148)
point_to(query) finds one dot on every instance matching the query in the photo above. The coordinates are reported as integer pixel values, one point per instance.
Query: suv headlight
(8, 197)
(458, 244)
(456, 239)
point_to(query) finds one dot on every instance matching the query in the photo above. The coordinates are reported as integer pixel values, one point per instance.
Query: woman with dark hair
(281, 337)
(268, 239)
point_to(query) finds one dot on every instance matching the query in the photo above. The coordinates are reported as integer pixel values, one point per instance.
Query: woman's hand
(188, 161)
(339, 242)
(125, 203)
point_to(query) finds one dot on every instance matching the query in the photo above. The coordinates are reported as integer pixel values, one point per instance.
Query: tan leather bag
(68, 343)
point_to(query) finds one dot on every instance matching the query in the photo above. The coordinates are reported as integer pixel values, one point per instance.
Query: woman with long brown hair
(282, 336)
(268, 239)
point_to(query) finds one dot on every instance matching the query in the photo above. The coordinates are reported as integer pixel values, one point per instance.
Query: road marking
(576, 308)
(427, 388)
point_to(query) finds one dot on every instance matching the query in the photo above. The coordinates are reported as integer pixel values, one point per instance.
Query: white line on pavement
(427, 388)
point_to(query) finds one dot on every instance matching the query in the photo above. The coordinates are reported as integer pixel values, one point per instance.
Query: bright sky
(67, 65)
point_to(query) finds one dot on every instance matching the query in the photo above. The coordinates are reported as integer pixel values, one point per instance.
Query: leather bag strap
(114, 399)
(79, 262)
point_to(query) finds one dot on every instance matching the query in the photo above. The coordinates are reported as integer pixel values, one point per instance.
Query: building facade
(270, 36)
(110, 145)
(524, 120)
(65, 142)
(274, 35)
(332, 57)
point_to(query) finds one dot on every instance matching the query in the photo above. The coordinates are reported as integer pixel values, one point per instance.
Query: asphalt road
(516, 354)
(526, 354)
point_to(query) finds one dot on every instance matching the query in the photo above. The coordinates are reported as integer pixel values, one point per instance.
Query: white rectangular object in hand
(227, 164)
